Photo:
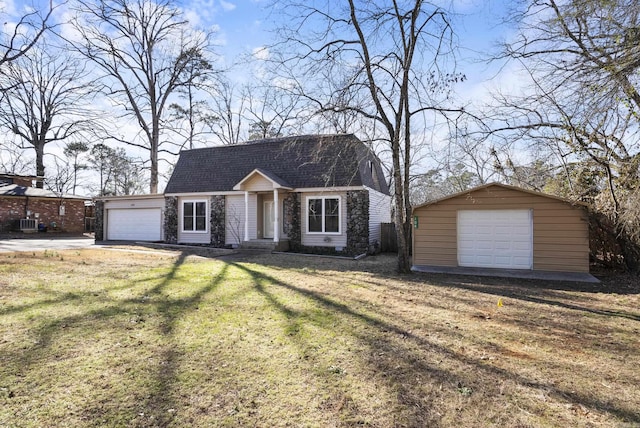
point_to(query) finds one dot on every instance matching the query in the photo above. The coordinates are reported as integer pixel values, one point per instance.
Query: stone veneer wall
(292, 223)
(218, 220)
(357, 225)
(171, 219)
(99, 221)
(357, 222)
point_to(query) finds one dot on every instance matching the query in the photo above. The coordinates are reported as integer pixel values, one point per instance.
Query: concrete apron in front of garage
(509, 273)
(44, 241)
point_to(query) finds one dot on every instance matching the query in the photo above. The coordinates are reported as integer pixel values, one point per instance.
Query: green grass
(99, 338)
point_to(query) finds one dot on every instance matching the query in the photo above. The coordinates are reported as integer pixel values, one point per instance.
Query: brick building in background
(25, 207)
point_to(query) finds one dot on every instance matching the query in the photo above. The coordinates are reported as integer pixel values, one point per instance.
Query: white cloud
(193, 17)
(261, 53)
(7, 7)
(227, 6)
(200, 12)
(67, 30)
(283, 83)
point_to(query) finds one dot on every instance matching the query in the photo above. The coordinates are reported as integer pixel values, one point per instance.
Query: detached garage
(133, 218)
(502, 227)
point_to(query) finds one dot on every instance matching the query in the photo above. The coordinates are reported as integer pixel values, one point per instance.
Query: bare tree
(119, 173)
(72, 151)
(438, 183)
(226, 124)
(582, 62)
(390, 58)
(463, 157)
(63, 176)
(235, 224)
(191, 116)
(12, 158)
(272, 111)
(17, 38)
(268, 109)
(146, 52)
(128, 176)
(46, 100)
(100, 160)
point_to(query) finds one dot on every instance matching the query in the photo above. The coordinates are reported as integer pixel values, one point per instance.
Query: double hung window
(323, 215)
(194, 216)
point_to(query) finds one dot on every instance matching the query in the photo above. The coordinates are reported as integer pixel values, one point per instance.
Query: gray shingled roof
(33, 192)
(303, 161)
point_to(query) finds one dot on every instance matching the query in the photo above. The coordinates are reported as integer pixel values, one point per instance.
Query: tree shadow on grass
(384, 265)
(157, 404)
(529, 291)
(535, 291)
(161, 405)
(397, 355)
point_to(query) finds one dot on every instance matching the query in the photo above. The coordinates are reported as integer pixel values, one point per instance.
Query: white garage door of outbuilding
(141, 224)
(495, 239)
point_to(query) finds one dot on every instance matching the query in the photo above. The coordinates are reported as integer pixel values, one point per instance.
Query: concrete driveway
(41, 243)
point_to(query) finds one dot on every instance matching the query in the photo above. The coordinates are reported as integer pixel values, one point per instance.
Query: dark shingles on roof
(33, 192)
(302, 162)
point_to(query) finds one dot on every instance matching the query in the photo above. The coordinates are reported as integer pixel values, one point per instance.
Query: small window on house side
(194, 216)
(323, 215)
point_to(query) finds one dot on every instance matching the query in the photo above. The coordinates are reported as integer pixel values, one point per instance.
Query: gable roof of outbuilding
(504, 186)
(309, 161)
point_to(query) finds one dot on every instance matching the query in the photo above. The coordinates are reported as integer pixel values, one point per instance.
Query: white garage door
(141, 224)
(495, 239)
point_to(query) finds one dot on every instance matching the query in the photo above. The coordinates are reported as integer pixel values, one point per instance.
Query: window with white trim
(323, 214)
(194, 216)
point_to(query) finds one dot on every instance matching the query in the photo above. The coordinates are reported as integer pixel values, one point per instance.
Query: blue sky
(243, 26)
(240, 25)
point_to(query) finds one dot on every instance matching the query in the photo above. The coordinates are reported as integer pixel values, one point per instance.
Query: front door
(267, 217)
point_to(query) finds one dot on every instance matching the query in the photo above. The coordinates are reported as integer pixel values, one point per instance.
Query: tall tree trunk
(153, 150)
(404, 258)
(39, 165)
(153, 182)
(75, 175)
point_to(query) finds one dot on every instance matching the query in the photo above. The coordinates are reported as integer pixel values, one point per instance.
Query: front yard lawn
(115, 338)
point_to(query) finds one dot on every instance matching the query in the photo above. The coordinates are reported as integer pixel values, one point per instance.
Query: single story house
(26, 208)
(503, 227)
(314, 193)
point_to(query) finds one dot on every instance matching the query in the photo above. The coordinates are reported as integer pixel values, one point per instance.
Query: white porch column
(276, 222)
(246, 215)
